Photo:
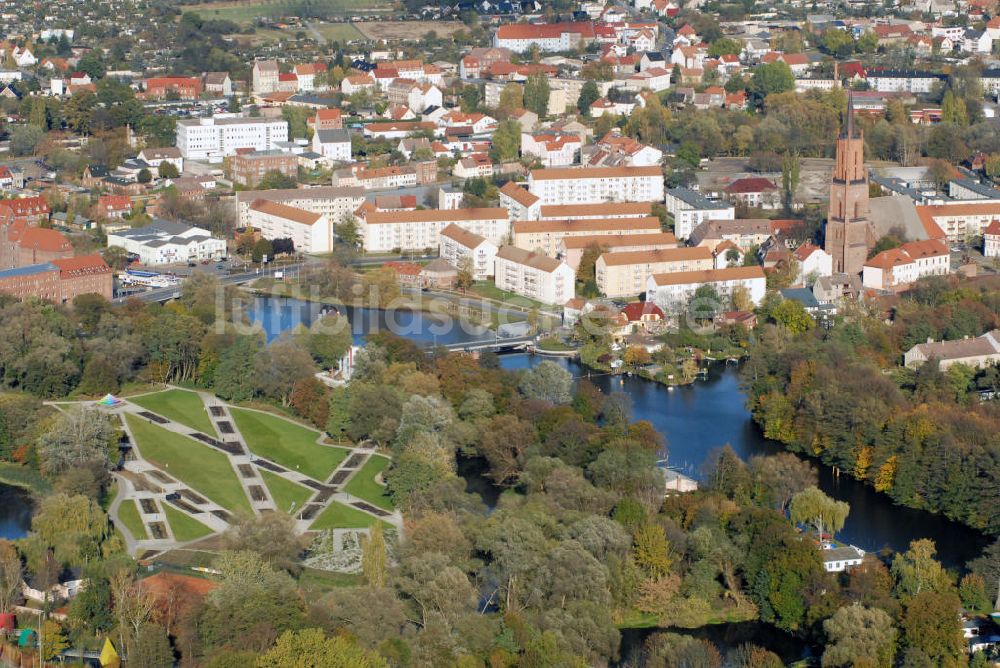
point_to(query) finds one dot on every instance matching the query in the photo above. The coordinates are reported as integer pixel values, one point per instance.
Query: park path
(150, 487)
(330, 489)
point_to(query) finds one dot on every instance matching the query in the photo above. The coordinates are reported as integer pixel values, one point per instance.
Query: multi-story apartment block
(543, 236)
(333, 202)
(462, 248)
(520, 204)
(384, 231)
(309, 232)
(59, 280)
(690, 209)
(571, 249)
(597, 184)
(534, 275)
(521, 37)
(624, 274)
(220, 136)
(265, 77)
(672, 292)
(957, 223)
(250, 168)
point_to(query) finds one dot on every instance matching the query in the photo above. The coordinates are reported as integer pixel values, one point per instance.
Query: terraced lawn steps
(128, 513)
(291, 445)
(205, 470)
(181, 406)
(184, 526)
(362, 484)
(339, 516)
(285, 492)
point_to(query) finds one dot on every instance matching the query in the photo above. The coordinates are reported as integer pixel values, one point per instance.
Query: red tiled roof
(636, 310)
(752, 184)
(82, 264)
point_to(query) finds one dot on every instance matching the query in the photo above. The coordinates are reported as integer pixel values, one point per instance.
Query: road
(163, 294)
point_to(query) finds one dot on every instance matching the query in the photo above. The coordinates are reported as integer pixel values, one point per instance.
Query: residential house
(533, 275)
(467, 250)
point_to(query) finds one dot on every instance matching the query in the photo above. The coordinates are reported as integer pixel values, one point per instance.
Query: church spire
(850, 114)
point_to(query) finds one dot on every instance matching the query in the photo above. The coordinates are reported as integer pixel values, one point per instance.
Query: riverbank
(22, 477)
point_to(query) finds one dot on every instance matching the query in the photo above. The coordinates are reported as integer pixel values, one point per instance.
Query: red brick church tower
(848, 232)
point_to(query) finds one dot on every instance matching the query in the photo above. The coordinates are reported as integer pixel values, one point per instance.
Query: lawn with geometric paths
(287, 443)
(182, 406)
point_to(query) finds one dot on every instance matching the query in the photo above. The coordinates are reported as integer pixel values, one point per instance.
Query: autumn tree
(916, 571)
(536, 94)
(856, 633)
(373, 556)
(11, 575)
(506, 141)
(310, 647)
(81, 436)
(511, 99)
(549, 382)
(932, 628)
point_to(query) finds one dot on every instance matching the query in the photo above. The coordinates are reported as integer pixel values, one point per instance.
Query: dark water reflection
(16, 507)
(709, 414)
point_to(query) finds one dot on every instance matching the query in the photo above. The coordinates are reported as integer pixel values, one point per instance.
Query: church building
(849, 233)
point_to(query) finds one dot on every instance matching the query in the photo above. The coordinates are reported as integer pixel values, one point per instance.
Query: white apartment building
(534, 275)
(385, 231)
(459, 246)
(165, 242)
(218, 137)
(903, 81)
(333, 202)
(624, 274)
(332, 144)
(672, 292)
(521, 37)
(958, 222)
(910, 262)
(690, 209)
(597, 184)
(520, 204)
(310, 232)
(543, 236)
(604, 210)
(991, 239)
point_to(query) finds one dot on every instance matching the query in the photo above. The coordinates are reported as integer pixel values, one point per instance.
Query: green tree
(589, 94)
(838, 42)
(53, 640)
(953, 109)
(234, 379)
(151, 648)
(725, 46)
(469, 99)
(916, 571)
(790, 167)
(652, 551)
(262, 248)
(771, 78)
(506, 141)
(549, 382)
(144, 176)
(792, 315)
(24, 139)
(511, 99)
(347, 231)
(932, 626)
(328, 340)
(536, 94)
(11, 575)
(273, 180)
(855, 633)
(167, 170)
(812, 506)
(309, 647)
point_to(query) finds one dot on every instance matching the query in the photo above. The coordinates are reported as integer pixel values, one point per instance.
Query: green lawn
(363, 485)
(489, 290)
(291, 445)
(339, 516)
(128, 513)
(180, 406)
(184, 526)
(339, 32)
(284, 491)
(205, 470)
(246, 12)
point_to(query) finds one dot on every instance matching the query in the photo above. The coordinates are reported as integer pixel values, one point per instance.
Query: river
(695, 419)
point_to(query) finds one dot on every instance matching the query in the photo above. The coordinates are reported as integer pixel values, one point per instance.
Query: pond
(16, 507)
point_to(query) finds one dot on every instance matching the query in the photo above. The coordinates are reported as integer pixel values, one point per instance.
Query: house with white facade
(899, 267)
(462, 248)
(154, 157)
(672, 292)
(813, 262)
(165, 242)
(534, 275)
(309, 232)
(332, 144)
(553, 149)
(991, 239)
